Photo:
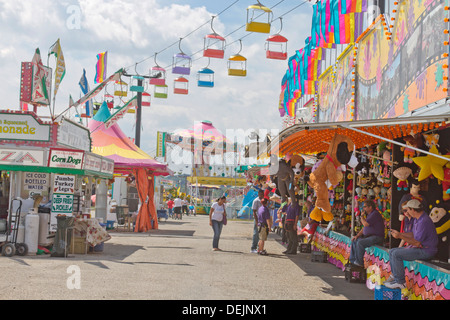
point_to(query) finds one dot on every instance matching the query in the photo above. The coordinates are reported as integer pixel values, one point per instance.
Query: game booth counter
(398, 160)
(47, 176)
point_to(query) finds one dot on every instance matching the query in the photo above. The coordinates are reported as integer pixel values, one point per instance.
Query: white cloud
(134, 30)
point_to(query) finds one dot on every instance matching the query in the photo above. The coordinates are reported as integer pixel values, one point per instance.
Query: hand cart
(8, 240)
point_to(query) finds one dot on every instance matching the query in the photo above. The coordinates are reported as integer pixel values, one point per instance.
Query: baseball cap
(413, 204)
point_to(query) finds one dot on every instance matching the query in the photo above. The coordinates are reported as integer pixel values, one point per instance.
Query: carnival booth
(132, 165)
(398, 160)
(48, 173)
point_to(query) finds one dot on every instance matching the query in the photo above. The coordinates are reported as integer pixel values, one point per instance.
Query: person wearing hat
(423, 242)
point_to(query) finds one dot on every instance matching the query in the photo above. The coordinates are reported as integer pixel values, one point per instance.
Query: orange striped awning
(314, 138)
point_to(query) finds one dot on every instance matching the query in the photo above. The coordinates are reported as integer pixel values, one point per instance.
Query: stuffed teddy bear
(298, 165)
(402, 174)
(339, 153)
(440, 216)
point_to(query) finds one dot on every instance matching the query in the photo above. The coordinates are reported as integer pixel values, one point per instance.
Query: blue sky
(132, 31)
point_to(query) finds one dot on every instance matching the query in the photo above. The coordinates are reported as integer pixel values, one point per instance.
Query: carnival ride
(203, 140)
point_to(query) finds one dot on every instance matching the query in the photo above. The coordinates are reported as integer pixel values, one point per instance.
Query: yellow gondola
(258, 18)
(120, 89)
(237, 64)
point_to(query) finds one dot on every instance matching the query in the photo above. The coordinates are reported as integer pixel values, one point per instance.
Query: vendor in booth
(371, 234)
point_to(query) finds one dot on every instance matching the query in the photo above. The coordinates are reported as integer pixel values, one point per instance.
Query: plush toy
(440, 216)
(414, 193)
(339, 153)
(446, 183)
(402, 174)
(298, 165)
(408, 153)
(350, 182)
(431, 139)
(283, 175)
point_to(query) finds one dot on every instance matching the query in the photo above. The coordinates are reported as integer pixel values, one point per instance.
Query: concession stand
(47, 169)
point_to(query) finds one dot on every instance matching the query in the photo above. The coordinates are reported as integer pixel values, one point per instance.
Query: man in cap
(423, 241)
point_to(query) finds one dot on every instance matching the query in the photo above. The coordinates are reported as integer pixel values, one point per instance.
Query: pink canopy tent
(114, 144)
(128, 159)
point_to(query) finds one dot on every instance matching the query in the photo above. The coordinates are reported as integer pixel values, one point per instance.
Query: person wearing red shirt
(170, 205)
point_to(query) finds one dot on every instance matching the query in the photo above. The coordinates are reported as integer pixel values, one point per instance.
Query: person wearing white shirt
(177, 203)
(216, 216)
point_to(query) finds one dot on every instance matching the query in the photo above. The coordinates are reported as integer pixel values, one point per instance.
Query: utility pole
(139, 90)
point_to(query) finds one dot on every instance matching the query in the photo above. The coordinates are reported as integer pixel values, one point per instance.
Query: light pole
(140, 84)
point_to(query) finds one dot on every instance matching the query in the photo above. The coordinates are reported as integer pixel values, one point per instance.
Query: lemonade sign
(23, 126)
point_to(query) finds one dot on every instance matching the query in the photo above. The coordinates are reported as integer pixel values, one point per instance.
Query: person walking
(422, 244)
(264, 224)
(216, 218)
(177, 208)
(292, 214)
(170, 204)
(184, 207)
(255, 207)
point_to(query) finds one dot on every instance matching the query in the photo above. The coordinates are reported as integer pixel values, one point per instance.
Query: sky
(132, 32)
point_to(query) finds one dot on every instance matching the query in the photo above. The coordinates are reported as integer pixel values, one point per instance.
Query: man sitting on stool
(423, 242)
(371, 234)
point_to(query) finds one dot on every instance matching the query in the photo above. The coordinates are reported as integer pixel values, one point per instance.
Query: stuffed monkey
(339, 153)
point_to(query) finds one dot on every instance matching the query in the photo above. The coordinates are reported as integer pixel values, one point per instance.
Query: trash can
(122, 214)
(63, 237)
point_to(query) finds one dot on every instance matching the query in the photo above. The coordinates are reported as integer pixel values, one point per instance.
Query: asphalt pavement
(176, 262)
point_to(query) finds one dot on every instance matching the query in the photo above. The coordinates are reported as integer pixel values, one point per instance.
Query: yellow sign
(218, 181)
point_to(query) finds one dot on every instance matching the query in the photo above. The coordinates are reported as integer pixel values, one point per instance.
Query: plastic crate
(319, 256)
(79, 246)
(355, 273)
(384, 293)
(305, 247)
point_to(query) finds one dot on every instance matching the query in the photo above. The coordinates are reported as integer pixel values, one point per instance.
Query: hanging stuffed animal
(409, 153)
(431, 139)
(402, 174)
(298, 165)
(283, 176)
(339, 153)
(446, 183)
(386, 168)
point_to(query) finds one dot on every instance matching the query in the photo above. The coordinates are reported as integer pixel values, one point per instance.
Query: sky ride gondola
(214, 44)
(237, 64)
(258, 18)
(181, 62)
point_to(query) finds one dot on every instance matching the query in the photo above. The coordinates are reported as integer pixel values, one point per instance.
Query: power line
(198, 28)
(226, 36)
